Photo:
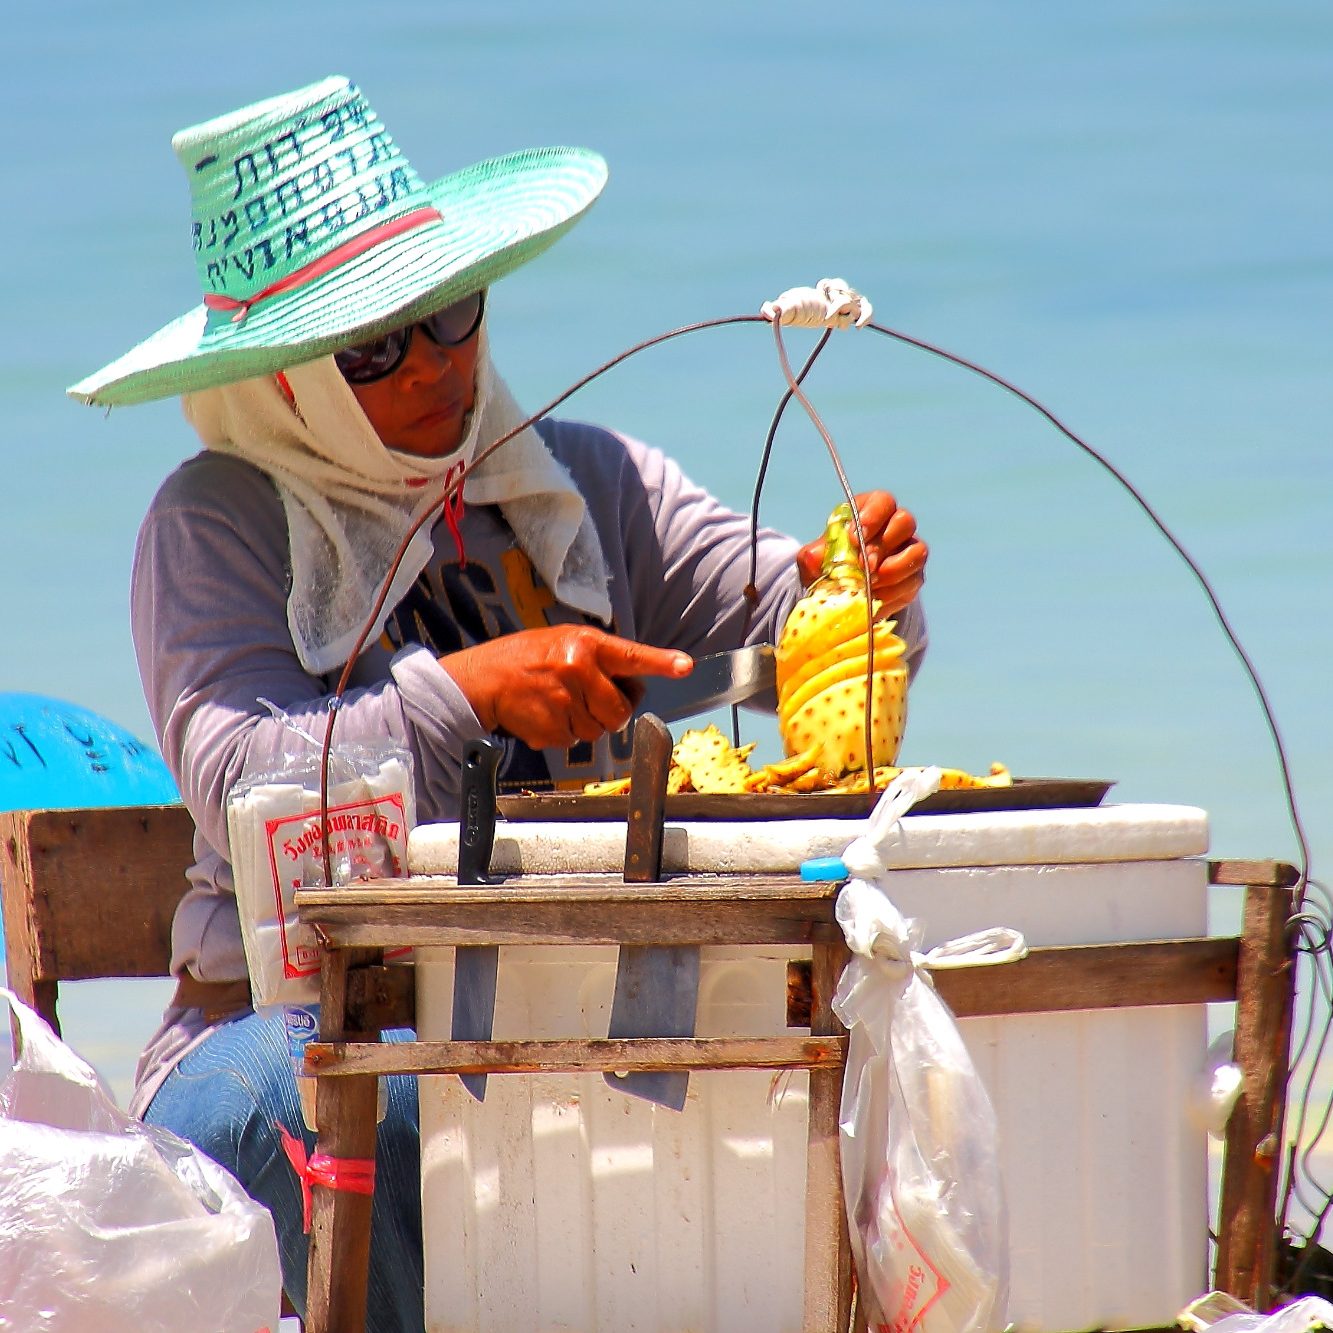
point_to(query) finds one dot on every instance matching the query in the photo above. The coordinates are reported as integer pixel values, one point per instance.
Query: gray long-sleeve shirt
(209, 618)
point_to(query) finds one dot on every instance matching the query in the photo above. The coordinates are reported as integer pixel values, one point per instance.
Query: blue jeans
(225, 1096)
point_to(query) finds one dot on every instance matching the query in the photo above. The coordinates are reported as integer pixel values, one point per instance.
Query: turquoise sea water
(1124, 208)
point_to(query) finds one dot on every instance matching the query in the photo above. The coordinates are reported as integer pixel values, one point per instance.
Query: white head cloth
(349, 500)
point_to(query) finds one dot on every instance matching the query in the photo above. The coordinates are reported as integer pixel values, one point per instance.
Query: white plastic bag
(920, 1163)
(1302, 1316)
(277, 846)
(113, 1225)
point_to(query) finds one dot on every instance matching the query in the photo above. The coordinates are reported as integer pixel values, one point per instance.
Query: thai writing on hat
(297, 177)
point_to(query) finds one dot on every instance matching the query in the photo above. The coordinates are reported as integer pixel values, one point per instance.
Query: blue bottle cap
(824, 868)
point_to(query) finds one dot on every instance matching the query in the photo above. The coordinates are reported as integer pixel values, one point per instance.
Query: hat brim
(495, 216)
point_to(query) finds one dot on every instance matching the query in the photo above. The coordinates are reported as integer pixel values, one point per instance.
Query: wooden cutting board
(1025, 794)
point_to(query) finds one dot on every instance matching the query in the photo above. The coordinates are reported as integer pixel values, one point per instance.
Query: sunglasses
(455, 324)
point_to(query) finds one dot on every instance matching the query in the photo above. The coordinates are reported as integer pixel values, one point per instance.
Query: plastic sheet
(113, 1225)
(920, 1161)
(1307, 1315)
(277, 846)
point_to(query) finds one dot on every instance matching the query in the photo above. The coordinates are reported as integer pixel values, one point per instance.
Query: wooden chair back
(90, 894)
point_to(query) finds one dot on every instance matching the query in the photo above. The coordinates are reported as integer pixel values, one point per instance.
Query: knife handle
(476, 820)
(650, 762)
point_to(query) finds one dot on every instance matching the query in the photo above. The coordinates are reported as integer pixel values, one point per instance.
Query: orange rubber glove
(897, 556)
(555, 686)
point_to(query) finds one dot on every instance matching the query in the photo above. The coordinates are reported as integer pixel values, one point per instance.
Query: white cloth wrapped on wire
(830, 303)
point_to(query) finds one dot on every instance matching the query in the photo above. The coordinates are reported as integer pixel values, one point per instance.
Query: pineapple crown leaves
(839, 542)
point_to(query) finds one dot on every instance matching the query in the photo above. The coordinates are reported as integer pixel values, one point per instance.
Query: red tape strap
(340, 254)
(453, 510)
(353, 1175)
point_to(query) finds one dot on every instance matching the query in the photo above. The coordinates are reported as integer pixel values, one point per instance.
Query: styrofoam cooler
(561, 1203)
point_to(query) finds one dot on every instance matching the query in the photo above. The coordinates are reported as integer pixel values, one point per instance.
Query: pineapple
(823, 663)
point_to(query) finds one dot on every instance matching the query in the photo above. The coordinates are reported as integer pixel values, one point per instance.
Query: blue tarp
(56, 755)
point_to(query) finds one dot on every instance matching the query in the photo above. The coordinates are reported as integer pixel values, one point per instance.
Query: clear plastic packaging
(113, 1225)
(277, 846)
(1309, 1314)
(920, 1160)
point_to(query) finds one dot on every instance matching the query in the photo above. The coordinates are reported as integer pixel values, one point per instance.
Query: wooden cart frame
(91, 893)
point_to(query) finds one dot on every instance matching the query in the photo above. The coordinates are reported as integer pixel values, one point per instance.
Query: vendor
(338, 376)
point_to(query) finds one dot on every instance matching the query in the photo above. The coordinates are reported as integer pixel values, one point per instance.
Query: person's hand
(896, 555)
(552, 687)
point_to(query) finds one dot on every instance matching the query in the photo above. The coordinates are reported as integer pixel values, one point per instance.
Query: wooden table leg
(339, 1269)
(1247, 1233)
(828, 1251)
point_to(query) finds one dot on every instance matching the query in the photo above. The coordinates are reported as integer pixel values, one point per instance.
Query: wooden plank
(89, 893)
(1262, 874)
(828, 1252)
(1247, 1228)
(369, 896)
(799, 999)
(627, 923)
(21, 949)
(1095, 976)
(339, 1263)
(1048, 980)
(1024, 794)
(427, 888)
(101, 886)
(380, 997)
(575, 1054)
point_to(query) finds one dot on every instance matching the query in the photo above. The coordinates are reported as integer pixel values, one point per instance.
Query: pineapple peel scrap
(703, 761)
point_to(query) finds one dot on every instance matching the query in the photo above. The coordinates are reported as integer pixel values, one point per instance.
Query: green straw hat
(311, 232)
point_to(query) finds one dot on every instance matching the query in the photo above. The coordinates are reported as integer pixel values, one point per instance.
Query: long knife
(476, 965)
(657, 987)
(717, 679)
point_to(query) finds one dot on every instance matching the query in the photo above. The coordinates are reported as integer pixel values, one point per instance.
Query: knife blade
(657, 988)
(717, 679)
(476, 966)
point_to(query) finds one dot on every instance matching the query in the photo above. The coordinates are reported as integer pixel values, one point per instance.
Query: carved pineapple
(822, 665)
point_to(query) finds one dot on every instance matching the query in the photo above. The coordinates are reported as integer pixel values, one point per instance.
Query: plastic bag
(1215, 1090)
(920, 1163)
(277, 847)
(1306, 1315)
(110, 1224)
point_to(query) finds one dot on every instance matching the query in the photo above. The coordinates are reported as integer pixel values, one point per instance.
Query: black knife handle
(476, 818)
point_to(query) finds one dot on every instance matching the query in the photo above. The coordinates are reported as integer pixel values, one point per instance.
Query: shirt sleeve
(693, 580)
(689, 581)
(209, 621)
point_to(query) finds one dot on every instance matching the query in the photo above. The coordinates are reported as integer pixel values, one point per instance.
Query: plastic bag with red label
(278, 840)
(920, 1160)
(113, 1225)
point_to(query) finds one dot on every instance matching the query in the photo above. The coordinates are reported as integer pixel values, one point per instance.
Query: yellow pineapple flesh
(824, 666)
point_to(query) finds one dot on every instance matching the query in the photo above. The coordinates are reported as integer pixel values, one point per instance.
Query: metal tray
(1025, 794)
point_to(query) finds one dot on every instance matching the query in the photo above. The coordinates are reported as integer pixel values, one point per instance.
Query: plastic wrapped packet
(113, 1225)
(920, 1162)
(277, 846)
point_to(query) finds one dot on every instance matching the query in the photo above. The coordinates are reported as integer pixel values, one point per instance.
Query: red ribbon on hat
(317, 268)
(353, 1175)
